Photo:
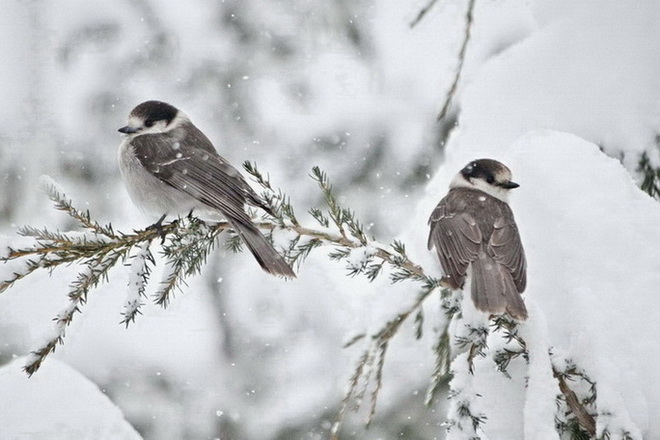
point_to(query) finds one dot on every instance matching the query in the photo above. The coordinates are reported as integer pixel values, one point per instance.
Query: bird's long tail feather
(493, 289)
(263, 251)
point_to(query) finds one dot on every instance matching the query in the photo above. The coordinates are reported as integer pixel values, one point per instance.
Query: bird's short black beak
(128, 130)
(509, 185)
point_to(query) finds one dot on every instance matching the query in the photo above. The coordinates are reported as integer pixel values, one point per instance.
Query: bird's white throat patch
(158, 127)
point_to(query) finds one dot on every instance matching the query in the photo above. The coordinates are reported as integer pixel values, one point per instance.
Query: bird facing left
(170, 167)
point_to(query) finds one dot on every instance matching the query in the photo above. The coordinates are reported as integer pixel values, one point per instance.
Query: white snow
(465, 399)
(282, 238)
(136, 280)
(271, 351)
(589, 69)
(540, 406)
(359, 257)
(58, 403)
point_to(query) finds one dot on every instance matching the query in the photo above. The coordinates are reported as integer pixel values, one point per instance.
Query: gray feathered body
(472, 229)
(179, 170)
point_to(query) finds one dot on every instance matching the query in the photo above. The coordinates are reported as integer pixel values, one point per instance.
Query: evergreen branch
(461, 60)
(278, 202)
(462, 416)
(584, 419)
(300, 248)
(186, 253)
(233, 242)
(371, 363)
(503, 358)
(287, 210)
(55, 248)
(62, 203)
(378, 380)
(320, 217)
(96, 271)
(476, 339)
(422, 13)
(650, 183)
(509, 330)
(137, 283)
(29, 266)
(353, 384)
(440, 375)
(404, 268)
(351, 236)
(580, 419)
(464, 411)
(186, 244)
(577, 407)
(419, 324)
(334, 209)
(354, 339)
(98, 251)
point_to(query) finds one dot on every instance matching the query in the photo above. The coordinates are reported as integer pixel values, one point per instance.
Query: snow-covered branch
(185, 246)
(186, 243)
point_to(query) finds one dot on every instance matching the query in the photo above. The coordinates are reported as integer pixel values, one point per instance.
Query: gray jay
(170, 167)
(474, 233)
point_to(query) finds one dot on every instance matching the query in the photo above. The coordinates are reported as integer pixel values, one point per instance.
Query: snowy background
(565, 93)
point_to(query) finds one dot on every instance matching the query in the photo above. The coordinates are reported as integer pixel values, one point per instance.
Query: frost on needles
(186, 243)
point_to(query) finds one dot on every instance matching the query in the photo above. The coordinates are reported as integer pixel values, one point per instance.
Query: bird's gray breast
(150, 193)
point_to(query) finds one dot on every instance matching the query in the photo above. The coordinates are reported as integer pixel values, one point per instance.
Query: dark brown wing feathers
(195, 168)
(465, 230)
(508, 251)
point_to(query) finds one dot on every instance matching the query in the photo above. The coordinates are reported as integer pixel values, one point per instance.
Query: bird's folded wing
(507, 250)
(202, 174)
(457, 239)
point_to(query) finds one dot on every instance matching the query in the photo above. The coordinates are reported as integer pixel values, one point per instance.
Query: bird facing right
(475, 235)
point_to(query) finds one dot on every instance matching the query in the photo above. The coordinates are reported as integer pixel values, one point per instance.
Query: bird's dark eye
(149, 123)
(490, 179)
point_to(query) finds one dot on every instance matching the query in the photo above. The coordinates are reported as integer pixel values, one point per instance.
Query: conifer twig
(185, 250)
(585, 419)
(186, 244)
(137, 283)
(650, 182)
(461, 60)
(422, 13)
(97, 249)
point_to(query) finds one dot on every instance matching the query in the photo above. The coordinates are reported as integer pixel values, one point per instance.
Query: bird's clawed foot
(158, 227)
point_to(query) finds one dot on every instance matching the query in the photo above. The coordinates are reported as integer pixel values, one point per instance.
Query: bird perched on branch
(476, 237)
(170, 167)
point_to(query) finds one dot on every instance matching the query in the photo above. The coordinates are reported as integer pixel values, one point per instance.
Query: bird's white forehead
(503, 173)
(135, 121)
(160, 126)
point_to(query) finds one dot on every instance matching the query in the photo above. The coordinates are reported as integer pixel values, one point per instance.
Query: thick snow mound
(592, 242)
(591, 238)
(57, 403)
(588, 70)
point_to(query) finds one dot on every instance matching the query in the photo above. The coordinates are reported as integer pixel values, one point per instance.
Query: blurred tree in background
(289, 84)
(350, 86)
